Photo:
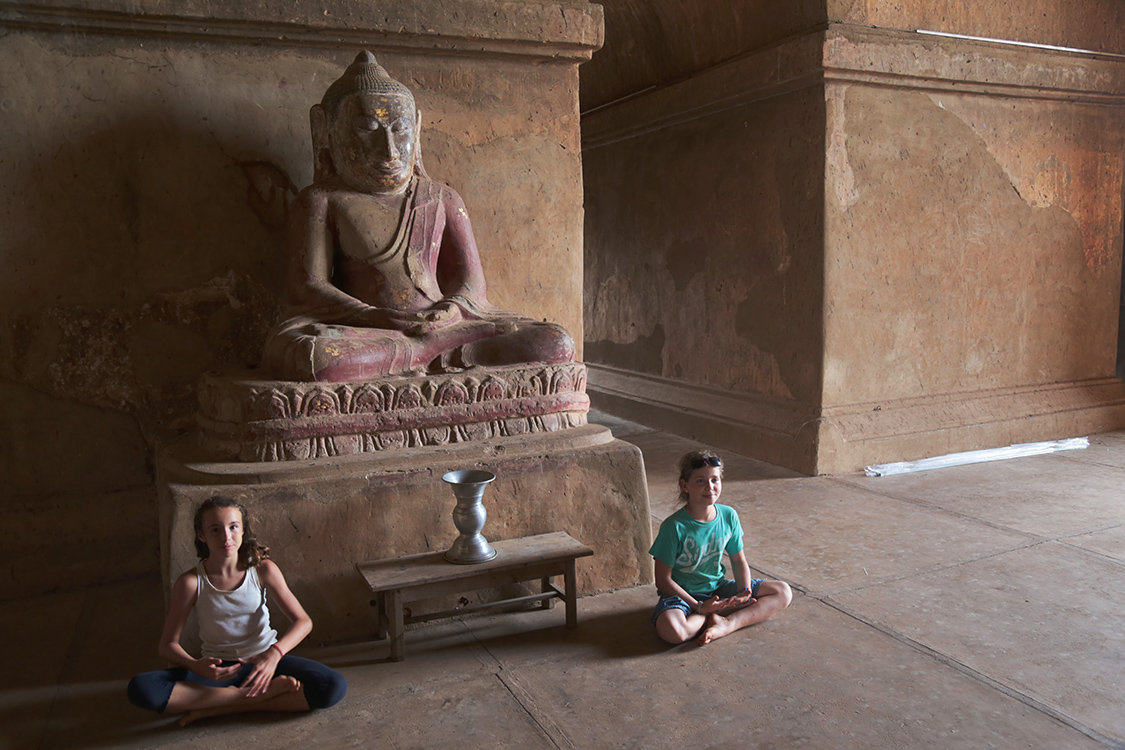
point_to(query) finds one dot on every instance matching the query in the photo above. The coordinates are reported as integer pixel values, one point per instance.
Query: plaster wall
(704, 260)
(980, 233)
(650, 44)
(150, 152)
(973, 245)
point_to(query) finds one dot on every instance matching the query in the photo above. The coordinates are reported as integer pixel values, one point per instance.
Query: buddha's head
(368, 123)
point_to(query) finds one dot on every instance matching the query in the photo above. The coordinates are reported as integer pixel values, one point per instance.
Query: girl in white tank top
(233, 624)
(244, 665)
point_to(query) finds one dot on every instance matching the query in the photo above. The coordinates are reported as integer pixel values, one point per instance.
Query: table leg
(544, 587)
(381, 616)
(393, 602)
(571, 595)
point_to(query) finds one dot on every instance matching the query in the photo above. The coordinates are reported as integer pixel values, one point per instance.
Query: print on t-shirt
(691, 558)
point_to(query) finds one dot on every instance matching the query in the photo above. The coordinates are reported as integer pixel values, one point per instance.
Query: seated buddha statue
(384, 277)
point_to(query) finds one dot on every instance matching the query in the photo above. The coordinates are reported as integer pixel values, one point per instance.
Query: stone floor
(971, 607)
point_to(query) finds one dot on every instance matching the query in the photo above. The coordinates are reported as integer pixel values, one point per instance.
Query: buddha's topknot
(363, 75)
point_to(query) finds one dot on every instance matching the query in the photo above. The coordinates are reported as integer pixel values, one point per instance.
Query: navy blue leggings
(323, 685)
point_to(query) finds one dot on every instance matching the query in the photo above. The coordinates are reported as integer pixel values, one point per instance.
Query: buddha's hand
(381, 317)
(439, 316)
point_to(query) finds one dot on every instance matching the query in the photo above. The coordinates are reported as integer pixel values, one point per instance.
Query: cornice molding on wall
(848, 54)
(941, 62)
(565, 31)
(776, 430)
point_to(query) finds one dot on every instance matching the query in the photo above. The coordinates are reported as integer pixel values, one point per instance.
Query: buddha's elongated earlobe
(419, 168)
(322, 148)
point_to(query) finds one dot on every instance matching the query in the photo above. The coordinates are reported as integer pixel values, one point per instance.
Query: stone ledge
(195, 466)
(915, 60)
(849, 54)
(563, 29)
(902, 418)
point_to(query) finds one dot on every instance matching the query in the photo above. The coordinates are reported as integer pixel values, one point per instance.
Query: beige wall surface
(150, 152)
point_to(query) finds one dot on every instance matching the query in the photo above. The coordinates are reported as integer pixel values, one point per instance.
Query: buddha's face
(372, 139)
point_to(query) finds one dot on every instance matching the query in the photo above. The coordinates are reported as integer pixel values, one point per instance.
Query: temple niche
(401, 349)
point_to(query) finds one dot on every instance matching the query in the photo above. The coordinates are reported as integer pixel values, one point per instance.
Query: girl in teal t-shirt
(696, 598)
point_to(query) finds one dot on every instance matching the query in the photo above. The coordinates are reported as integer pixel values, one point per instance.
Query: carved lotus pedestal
(249, 419)
(352, 472)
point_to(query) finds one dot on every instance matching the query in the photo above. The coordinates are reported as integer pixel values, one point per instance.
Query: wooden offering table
(397, 581)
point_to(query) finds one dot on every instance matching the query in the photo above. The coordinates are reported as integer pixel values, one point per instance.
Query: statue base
(321, 516)
(245, 418)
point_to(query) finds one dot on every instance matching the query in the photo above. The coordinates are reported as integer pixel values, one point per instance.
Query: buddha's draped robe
(431, 259)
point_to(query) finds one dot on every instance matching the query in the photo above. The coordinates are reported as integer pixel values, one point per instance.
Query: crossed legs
(674, 626)
(197, 701)
(299, 684)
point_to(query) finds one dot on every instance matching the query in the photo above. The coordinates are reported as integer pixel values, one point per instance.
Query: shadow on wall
(137, 257)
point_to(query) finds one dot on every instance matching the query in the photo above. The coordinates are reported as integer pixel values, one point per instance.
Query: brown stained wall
(702, 257)
(146, 171)
(972, 233)
(143, 206)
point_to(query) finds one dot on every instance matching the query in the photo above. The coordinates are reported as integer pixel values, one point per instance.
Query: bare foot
(278, 686)
(714, 627)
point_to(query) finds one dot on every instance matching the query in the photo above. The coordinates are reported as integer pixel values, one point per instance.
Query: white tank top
(233, 624)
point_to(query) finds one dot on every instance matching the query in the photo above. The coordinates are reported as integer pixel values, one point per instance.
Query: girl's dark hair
(250, 553)
(696, 460)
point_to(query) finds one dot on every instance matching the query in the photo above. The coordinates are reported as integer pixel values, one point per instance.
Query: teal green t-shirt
(694, 550)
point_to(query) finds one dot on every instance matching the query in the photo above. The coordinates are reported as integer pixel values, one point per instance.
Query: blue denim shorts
(726, 589)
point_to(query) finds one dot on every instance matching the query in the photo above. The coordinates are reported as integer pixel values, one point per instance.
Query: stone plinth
(249, 419)
(320, 516)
